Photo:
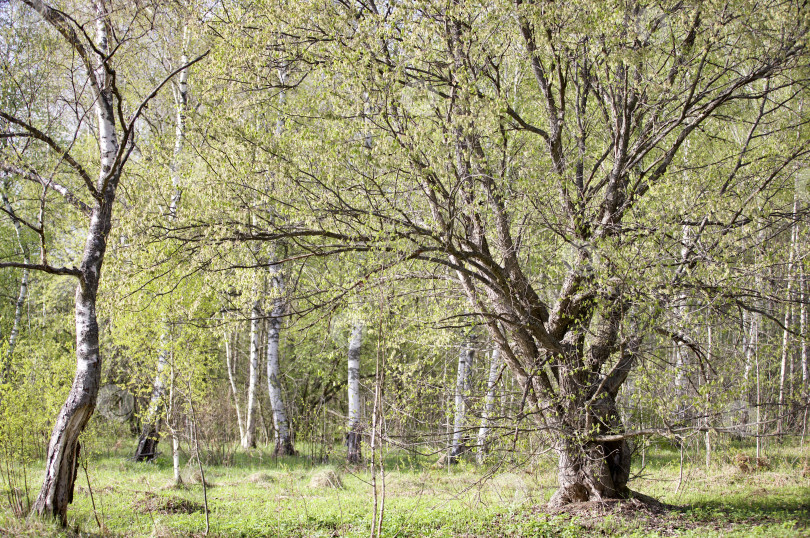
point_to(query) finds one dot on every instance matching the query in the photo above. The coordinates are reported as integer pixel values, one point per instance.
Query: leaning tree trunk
(463, 382)
(354, 436)
(63, 450)
(284, 444)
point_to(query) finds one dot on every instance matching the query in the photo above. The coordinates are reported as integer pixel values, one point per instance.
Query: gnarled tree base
(147, 444)
(284, 447)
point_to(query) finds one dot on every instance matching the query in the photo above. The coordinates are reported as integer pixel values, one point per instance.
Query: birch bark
(354, 435)
(249, 439)
(20, 302)
(63, 450)
(489, 405)
(283, 437)
(150, 435)
(463, 381)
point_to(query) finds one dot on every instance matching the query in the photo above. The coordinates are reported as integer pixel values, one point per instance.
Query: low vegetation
(259, 495)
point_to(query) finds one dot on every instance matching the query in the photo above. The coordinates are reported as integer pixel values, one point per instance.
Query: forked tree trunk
(354, 453)
(284, 444)
(593, 470)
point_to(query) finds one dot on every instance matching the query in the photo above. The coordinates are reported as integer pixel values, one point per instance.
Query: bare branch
(32, 176)
(64, 271)
(63, 153)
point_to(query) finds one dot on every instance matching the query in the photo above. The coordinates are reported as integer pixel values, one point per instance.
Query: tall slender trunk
(20, 302)
(354, 436)
(150, 434)
(284, 444)
(489, 405)
(803, 325)
(463, 382)
(230, 365)
(249, 439)
(786, 343)
(681, 352)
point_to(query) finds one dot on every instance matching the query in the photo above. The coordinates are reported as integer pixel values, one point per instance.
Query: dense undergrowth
(258, 495)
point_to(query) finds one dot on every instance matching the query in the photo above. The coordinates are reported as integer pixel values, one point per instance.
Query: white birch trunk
(249, 439)
(489, 405)
(63, 450)
(229, 364)
(150, 434)
(20, 302)
(284, 444)
(353, 438)
(783, 367)
(463, 377)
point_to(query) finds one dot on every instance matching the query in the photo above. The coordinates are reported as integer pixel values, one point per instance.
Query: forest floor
(253, 494)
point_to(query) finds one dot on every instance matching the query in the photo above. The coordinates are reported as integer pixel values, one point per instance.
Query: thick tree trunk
(592, 470)
(489, 405)
(463, 381)
(354, 436)
(284, 444)
(249, 439)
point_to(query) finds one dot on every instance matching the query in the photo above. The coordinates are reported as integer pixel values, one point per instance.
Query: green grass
(258, 495)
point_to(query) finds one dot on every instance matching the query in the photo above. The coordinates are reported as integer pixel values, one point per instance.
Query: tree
(537, 169)
(354, 435)
(284, 444)
(466, 355)
(114, 133)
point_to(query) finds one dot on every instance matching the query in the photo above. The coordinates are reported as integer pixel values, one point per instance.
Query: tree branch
(32, 176)
(64, 271)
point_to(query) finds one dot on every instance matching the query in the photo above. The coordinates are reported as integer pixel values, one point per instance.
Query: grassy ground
(257, 495)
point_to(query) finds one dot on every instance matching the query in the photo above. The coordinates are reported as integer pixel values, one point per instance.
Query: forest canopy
(445, 223)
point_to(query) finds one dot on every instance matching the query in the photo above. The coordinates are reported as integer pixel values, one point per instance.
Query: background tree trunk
(284, 444)
(463, 381)
(249, 439)
(489, 405)
(354, 452)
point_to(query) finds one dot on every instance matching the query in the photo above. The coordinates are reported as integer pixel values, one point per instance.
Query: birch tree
(354, 435)
(489, 405)
(97, 52)
(150, 434)
(462, 393)
(281, 425)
